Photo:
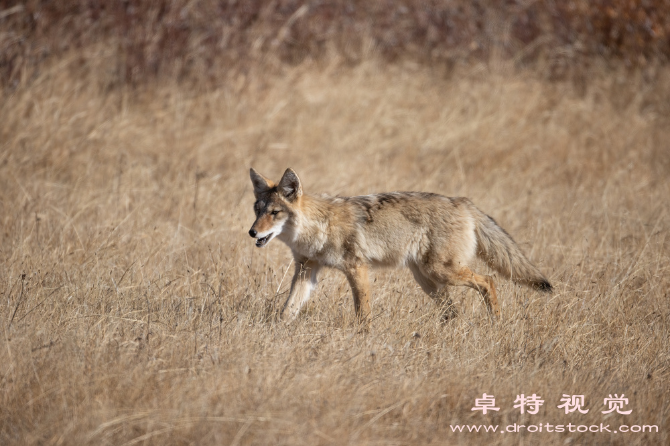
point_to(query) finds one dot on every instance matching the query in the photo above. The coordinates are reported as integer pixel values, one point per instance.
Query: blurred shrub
(180, 38)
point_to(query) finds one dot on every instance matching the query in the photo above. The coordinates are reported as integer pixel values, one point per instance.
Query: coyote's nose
(252, 232)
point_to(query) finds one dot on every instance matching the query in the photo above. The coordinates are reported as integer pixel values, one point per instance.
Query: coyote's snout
(436, 237)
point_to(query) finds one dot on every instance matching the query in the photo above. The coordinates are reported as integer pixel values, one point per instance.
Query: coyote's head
(274, 204)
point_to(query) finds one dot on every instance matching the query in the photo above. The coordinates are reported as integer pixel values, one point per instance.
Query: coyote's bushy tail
(500, 252)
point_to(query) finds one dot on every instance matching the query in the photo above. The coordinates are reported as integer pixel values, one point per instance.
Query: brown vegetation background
(135, 309)
(202, 39)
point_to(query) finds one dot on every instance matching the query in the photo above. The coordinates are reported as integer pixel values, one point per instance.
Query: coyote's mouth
(264, 240)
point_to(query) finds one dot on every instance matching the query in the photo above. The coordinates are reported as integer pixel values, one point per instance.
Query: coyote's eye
(275, 212)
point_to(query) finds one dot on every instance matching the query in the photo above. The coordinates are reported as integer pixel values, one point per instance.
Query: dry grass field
(135, 309)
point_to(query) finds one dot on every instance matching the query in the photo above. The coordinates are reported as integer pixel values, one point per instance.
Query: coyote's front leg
(360, 288)
(304, 281)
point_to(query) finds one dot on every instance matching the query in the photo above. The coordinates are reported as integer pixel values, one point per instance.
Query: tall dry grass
(136, 310)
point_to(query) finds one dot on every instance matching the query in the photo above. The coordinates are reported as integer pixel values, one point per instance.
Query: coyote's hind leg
(464, 276)
(439, 293)
(484, 284)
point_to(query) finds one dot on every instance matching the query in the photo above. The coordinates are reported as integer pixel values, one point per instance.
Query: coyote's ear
(289, 185)
(261, 184)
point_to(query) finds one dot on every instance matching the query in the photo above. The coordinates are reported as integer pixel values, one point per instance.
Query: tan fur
(437, 237)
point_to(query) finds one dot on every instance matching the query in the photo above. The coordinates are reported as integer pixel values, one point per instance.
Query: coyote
(436, 237)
